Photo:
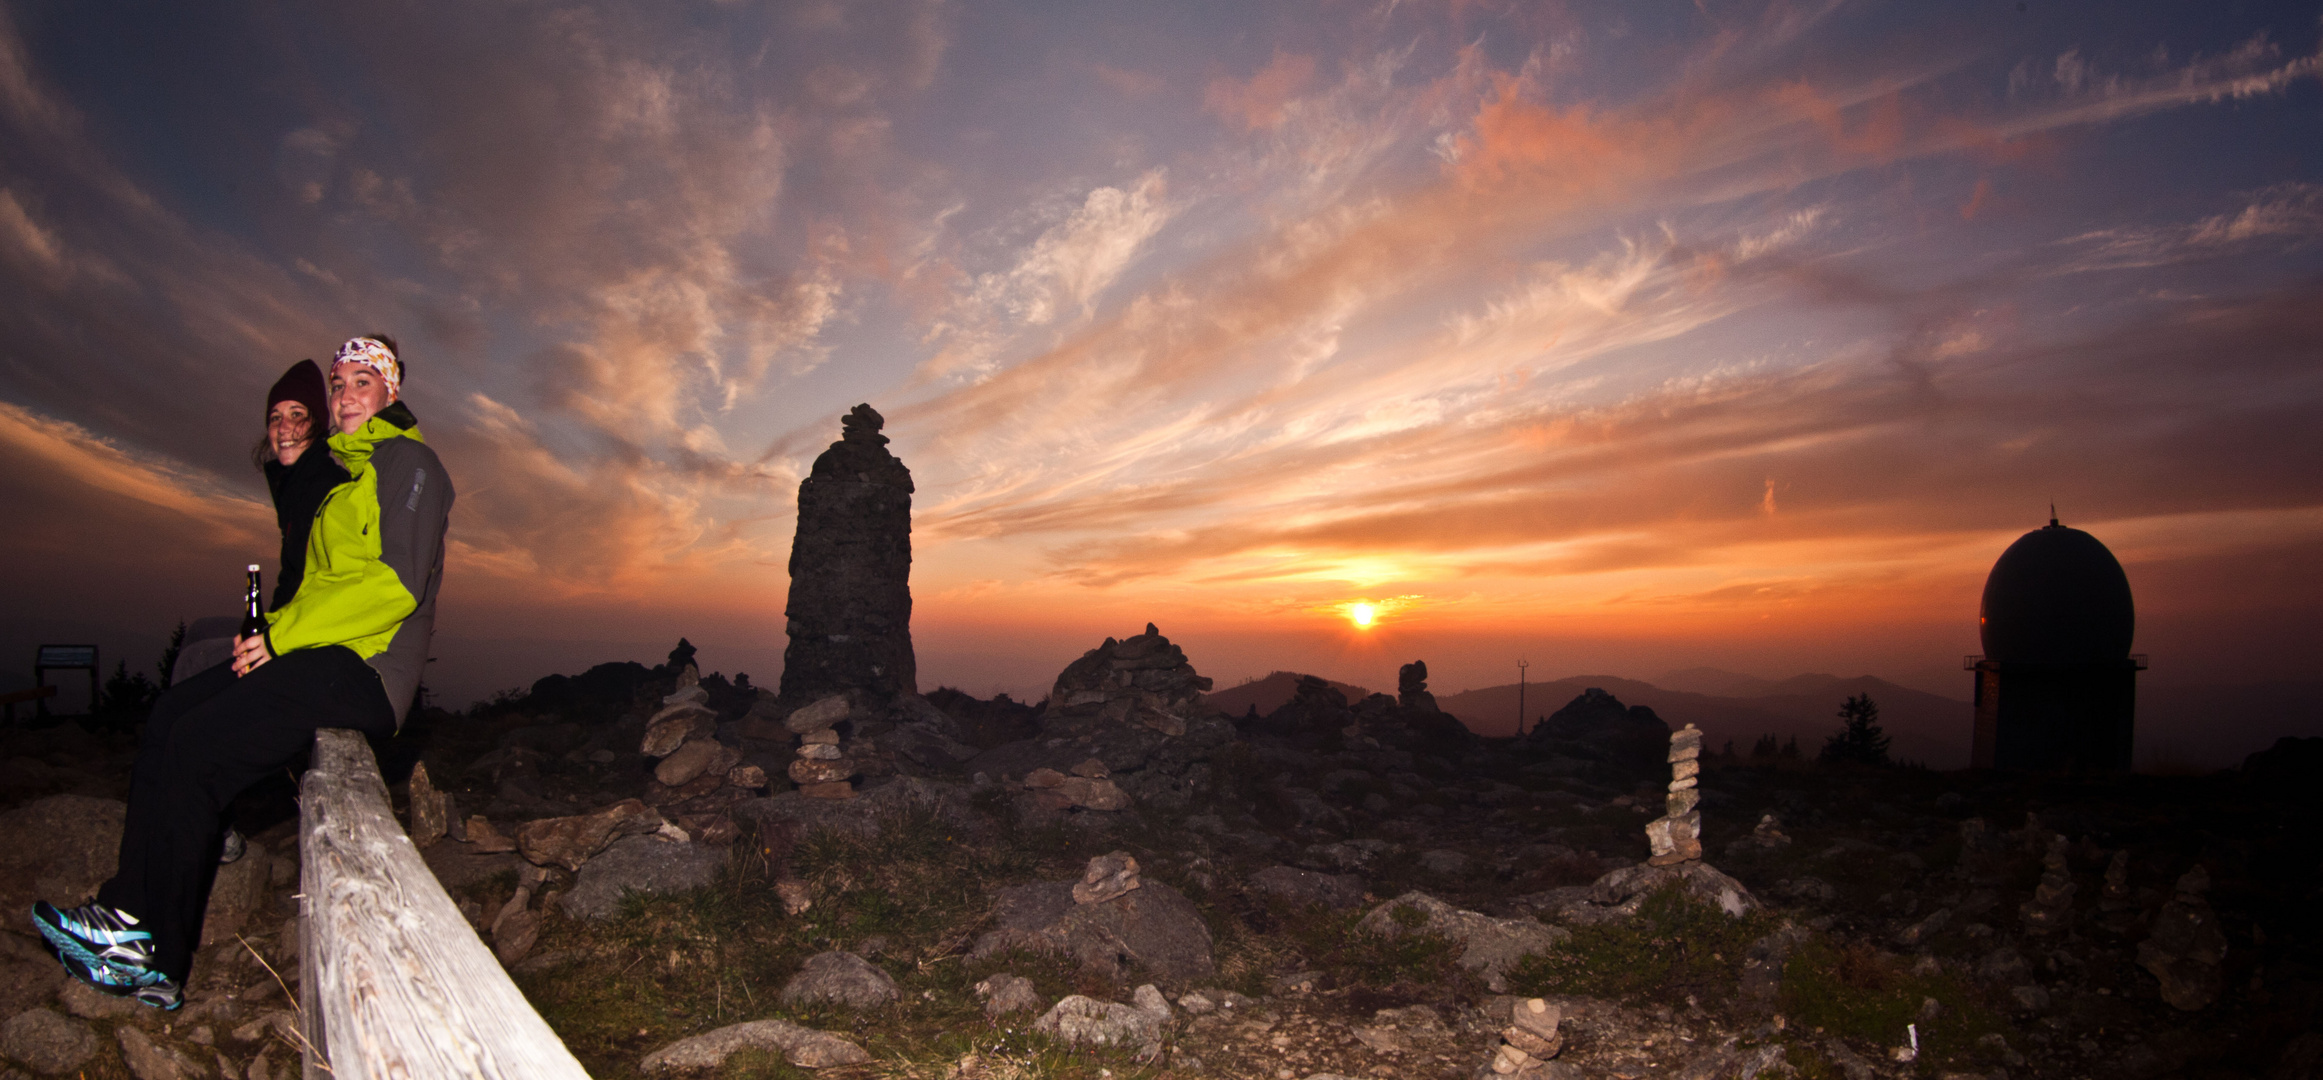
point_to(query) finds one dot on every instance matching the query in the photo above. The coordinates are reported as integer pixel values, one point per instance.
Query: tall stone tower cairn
(850, 572)
(1676, 836)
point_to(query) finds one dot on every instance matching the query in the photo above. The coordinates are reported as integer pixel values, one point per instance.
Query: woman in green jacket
(344, 652)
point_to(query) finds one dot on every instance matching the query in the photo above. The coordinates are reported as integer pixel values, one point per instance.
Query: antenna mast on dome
(2052, 513)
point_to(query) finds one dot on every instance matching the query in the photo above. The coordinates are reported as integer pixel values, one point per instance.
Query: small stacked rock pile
(698, 778)
(2187, 952)
(1529, 1040)
(2051, 907)
(1676, 836)
(823, 770)
(1411, 687)
(1106, 877)
(1142, 680)
(2117, 908)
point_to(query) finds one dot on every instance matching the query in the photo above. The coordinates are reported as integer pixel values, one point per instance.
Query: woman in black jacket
(299, 473)
(299, 468)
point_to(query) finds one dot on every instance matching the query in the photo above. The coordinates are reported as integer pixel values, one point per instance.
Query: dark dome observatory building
(2056, 687)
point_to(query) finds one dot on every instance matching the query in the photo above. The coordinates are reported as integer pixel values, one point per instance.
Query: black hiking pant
(209, 738)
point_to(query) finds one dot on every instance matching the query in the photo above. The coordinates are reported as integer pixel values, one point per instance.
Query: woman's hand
(249, 652)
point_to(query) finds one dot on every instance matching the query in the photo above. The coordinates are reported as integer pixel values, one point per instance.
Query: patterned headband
(372, 354)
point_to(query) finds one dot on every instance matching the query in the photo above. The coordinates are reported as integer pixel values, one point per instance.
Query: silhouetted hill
(2182, 728)
(1924, 727)
(1715, 682)
(1270, 693)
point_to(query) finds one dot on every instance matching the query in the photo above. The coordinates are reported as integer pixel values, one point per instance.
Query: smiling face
(289, 430)
(357, 392)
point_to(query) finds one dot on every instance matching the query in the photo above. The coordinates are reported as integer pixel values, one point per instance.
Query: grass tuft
(1675, 945)
(1858, 992)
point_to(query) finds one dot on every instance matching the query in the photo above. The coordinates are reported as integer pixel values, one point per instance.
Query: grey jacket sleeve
(415, 505)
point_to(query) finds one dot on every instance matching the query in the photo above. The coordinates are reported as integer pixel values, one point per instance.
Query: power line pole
(1521, 664)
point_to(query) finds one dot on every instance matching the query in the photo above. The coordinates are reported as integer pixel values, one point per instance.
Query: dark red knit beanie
(303, 383)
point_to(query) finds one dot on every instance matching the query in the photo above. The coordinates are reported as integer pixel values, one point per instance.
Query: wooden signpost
(62, 658)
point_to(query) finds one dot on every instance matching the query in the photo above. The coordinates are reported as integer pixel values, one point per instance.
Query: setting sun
(1362, 614)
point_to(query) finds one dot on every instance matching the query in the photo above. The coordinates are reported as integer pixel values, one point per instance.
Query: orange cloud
(1259, 102)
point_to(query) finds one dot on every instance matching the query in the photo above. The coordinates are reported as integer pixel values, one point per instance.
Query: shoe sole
(85, 965)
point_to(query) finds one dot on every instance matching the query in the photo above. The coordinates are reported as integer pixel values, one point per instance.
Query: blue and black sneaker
(96, 936)
(159, 991)
(103, 947)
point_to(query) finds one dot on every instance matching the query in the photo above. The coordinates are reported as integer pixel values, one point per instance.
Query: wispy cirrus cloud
(2282, 214)
(1510, 309)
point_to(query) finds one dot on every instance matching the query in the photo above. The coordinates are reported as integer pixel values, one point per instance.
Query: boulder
(646, 864)
(148, 1060)
(571, 841)
(1153, 928)
(687, 761)
(28, 974)
(1093, 794)
(59, 849)
(1619, 894)
(430, 809)
(1487, 945)
(1005, 993)
(841, 978)
(671, 727)
(801, 1046)
(1089, 1021)
(1301, 887)
(46, 1042)
(458, 866)
(484, 837)
(820, 715)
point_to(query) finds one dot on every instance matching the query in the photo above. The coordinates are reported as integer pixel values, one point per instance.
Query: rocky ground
(688, 877)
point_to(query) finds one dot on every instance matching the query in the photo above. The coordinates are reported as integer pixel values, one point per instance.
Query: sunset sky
(1620, 337)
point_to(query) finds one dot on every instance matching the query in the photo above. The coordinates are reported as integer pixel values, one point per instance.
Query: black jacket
(298, 494)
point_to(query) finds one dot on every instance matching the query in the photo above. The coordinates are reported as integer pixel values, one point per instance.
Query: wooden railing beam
(394, 982)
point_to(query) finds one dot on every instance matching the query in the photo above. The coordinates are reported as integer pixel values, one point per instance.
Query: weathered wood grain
(395, 983)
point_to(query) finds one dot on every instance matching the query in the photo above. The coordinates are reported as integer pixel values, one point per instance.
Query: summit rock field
(688, 878)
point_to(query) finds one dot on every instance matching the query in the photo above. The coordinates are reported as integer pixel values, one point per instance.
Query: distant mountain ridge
(1271, 693)
(2198, 727)
(1925, 727)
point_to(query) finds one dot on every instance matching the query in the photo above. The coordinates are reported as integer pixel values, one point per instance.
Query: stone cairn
(1141, 680)
(1107, 877)
(2187, 952)
(1411, 687)
(698, 778)
(1676, 836)
(850, 572)
(2051, 907)
(1529, 1039)
(823, 769)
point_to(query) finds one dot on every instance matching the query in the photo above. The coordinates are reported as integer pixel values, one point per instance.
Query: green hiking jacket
(375, 556)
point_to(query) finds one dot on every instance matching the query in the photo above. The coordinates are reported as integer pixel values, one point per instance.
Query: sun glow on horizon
(1362, 614)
